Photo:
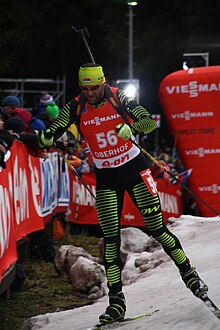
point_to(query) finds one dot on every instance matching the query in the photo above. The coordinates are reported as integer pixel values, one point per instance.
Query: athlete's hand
(124, 131)
(45, 139)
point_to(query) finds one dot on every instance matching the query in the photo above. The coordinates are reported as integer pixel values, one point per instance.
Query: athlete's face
(93, 93)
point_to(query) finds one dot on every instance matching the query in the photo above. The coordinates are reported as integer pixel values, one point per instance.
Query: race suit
(119, 167)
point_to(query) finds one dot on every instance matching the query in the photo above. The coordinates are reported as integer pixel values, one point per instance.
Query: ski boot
(116, 309)
(194, 282)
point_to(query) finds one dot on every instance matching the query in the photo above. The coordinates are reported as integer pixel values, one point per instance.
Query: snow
(161, 288)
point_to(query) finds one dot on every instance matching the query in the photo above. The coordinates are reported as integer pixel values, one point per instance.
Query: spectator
(2, 122)
(37, 124)
(50, 113)
(15, 125)
(74, 161)
(11, 107)
(6, 141)
(159, 173)
(40, 107)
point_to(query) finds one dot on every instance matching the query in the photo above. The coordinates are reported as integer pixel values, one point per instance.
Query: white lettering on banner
(49, 170)
(193, 88)
(168, 203)
(82, 196)
(196, 131)
(188, 115)
(20, 185)
(35, 186)
(98, 120)
(214, 188)
(202, 152)
(64, 185)
(5, 217)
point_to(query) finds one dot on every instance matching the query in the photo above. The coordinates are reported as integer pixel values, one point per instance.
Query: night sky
(37, 41)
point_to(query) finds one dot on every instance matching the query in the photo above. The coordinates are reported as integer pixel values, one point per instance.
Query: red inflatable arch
(191, 104)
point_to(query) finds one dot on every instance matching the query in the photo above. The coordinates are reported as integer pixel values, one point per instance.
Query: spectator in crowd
(37, 124)
(15, 125)
(6, 142)
(158, 172)
(39, 108)
(2, 121)
(52, 112)
(49, 114)
(77, 155)
(11, 107)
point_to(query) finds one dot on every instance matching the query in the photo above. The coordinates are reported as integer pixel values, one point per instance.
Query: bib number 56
(103, 139)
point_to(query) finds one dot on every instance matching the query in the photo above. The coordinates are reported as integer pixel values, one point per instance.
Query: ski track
(160, 288)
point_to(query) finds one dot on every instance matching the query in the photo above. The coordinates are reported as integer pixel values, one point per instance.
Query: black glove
(7, 138)
(6, 141)
(2, 161)
(3, 150)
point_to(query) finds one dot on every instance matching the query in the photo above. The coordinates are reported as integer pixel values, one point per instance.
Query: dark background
(37, 41)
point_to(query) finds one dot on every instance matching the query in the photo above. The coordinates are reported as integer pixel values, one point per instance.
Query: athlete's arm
(66, 117)
(143, 122)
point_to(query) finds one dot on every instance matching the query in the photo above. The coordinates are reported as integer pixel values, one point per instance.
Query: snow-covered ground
(160, 288)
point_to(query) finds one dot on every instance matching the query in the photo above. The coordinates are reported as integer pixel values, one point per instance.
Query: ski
(211, 306)
(116, 324)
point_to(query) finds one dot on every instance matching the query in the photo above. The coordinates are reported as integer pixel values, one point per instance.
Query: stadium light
(130, 87)
(130, 90)
(132, 3)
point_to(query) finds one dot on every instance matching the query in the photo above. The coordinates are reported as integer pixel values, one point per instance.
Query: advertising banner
(8, 251)
(82, 205)
(26, 191)
(190, 100)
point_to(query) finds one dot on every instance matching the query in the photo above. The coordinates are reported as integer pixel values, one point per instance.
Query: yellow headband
(91, 76)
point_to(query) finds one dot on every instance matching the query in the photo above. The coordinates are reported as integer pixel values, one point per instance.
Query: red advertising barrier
(190, 100)
(32, 190)
(82, 205)
(29, 196)
(8, 252)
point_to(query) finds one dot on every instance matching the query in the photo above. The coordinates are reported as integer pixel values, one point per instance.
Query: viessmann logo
(202, 152)
(214, 188)
(98, 120)
(193, 88)
(188, 115)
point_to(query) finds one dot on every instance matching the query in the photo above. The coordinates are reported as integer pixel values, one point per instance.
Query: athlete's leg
(150, 208)
(109, 205)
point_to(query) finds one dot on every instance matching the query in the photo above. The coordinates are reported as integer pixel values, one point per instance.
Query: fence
(28, 90)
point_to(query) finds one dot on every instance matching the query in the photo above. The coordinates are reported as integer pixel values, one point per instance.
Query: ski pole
(82, 34)
(74, 170)
(174, 177)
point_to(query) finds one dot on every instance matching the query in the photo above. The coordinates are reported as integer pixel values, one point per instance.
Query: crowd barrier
(32, 190)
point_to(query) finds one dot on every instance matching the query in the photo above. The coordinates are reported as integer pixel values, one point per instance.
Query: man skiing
(119, 166)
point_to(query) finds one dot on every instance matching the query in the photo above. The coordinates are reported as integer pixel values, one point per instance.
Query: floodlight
(131, 90)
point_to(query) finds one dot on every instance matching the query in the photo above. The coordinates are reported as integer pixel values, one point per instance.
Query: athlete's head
(91, 74)
(91, 81)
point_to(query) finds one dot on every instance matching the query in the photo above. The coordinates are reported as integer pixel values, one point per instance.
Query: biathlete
(119, 166)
